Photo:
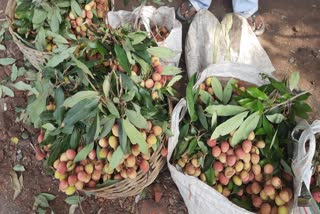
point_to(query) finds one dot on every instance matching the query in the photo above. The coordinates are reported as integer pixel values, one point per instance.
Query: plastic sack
(149, 16)
(200, 197)
(302, 158)
(211, 42)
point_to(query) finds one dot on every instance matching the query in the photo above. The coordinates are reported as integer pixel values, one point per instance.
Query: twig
(80, 204)
(287, 101)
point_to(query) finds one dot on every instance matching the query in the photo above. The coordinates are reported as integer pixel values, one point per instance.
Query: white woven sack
(200, 197)
(211, 42)
(149, 16)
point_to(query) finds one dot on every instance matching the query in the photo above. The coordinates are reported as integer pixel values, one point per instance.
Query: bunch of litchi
(156, 80)
(94, 169)
(81, 23)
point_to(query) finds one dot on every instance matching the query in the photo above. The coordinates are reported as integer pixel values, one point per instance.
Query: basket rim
(153, 156)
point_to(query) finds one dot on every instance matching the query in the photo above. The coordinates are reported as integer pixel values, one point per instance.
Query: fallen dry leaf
(73, 208)
(17, 184)
(158, 192)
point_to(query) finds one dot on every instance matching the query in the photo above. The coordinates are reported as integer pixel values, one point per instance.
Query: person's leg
(245, 8)
(200, 4)
(248, 9)
(189, 8)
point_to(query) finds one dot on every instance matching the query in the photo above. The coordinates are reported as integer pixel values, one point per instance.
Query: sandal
(257, 24)
(186, 11)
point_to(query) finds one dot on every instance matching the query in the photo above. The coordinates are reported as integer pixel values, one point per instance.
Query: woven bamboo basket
(35, 57)
(131, 187)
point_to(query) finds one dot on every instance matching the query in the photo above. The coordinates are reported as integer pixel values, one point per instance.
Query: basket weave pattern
(131, 187)
(35, 57)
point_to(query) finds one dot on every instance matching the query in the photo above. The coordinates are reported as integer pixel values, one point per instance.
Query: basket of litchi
(104, 128)
(160, 23)
(42, 27)
(232, 150)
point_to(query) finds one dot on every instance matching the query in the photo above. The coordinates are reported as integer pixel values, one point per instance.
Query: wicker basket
(35, 57)
(131, 187)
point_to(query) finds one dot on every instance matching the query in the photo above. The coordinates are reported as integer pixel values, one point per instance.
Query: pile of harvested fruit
(36, 23)
(236, 138)
(160, 33)
(102, 109)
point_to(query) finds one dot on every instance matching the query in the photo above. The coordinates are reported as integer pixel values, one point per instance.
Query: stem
(287, 101)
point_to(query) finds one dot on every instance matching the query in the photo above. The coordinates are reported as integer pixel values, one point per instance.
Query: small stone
(172, 201)
(291, 60)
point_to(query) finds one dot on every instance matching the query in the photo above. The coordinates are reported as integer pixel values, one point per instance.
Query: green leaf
(170, 70)
(57, 59)
(210, 178)
(190, 99)
(14, 72)
(19, 168)
(49, 127)
(228, 126)
(116, 158)
(135, 136)
(286, 167)
(294, 80)
(192, 146)
(276, 118)
(225, 110)
(202, 117)
(82, 66)
(89, 137)
(205, 97)
(41, 201)
(137, 37)
(161, 52)
(75, 199)
(174, 80)
(39, 16)
(112, 109)
(244, 130)
(123, 138)
(7, 91)
(203, 147)
(122, 58)
(74, 139)
(107, 127)
(2, 47)
(7, 61)
(60, 39)
(214, 120)
(59, 99)
(227, 93)
(84, 152)
(54, 22)
(25, 87)
(106, 86)
(48, 196)
(145, 67)
(217, 88)
(256, 93)
(82, 95)
(273, 139)
(76, 7)
(136, 119)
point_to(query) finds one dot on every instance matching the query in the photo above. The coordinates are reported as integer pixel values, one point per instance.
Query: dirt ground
(292, 40)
